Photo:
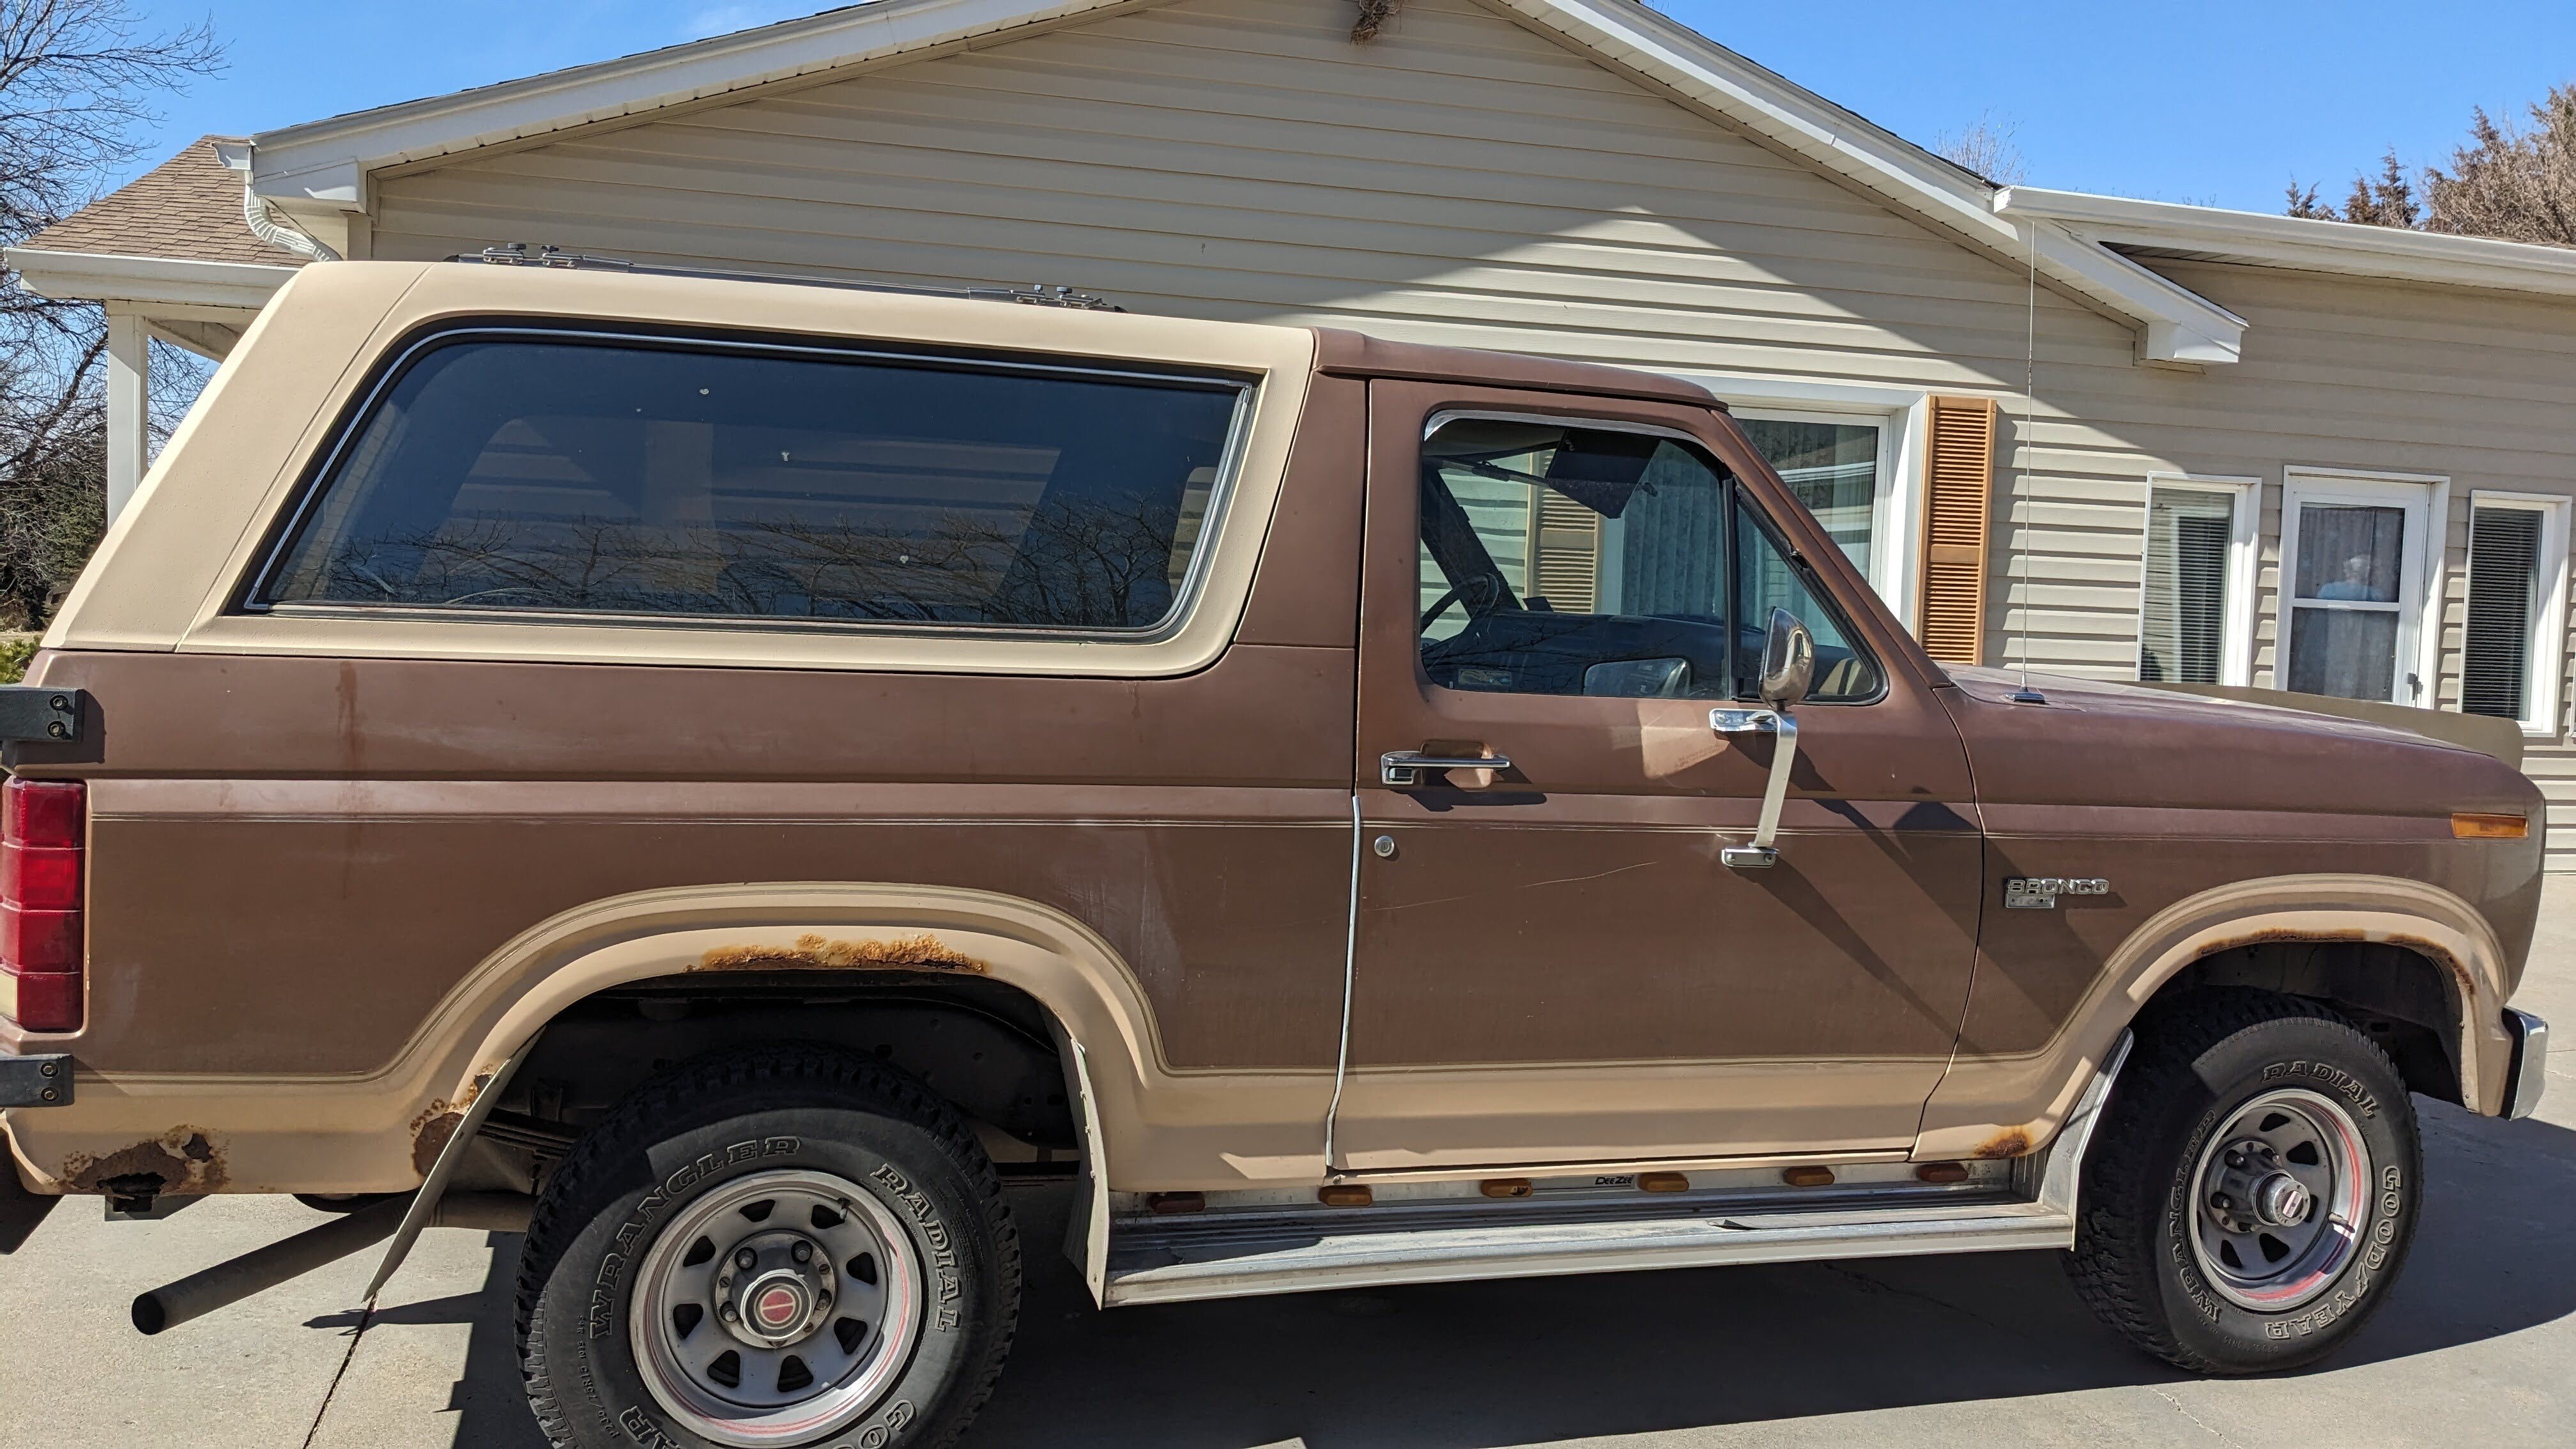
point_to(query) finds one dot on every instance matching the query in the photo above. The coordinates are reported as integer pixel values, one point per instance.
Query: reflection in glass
(524, 476)
(2351, 553)
(1833, 469)
(2351, 653)
(2182, 635)
(1559, 559)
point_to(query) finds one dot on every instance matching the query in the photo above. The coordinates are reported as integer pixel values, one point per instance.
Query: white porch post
(129, 394)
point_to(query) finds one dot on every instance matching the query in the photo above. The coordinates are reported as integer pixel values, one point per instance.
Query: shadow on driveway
(1452, 1366)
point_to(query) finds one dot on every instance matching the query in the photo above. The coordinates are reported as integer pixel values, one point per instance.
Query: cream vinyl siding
(2342, 372)
(1460, 179)
(1464, 180)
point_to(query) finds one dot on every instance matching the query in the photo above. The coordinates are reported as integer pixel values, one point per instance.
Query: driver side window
(1564, 559)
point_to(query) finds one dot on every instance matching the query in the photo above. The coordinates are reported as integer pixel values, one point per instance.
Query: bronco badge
(2040, 892)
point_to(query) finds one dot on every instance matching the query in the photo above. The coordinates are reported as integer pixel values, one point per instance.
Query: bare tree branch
(1985, 146)
(78, 79)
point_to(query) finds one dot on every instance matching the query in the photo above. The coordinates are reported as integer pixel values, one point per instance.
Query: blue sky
(2220, 104)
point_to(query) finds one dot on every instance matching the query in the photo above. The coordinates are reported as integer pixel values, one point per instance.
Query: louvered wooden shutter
(1566, 553)
(1958, 481)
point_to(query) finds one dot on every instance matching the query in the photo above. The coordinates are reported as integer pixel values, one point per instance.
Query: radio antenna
(2029, 439)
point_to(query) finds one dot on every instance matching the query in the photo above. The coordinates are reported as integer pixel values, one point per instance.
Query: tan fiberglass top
(167, 574)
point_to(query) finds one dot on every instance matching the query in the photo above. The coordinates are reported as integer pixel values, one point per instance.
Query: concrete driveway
(2475, 1348)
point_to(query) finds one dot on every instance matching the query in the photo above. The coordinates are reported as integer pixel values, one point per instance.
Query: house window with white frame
(2195, 602)
(1834, 466)
(2361, 562)
(2511, 642)
(1851, 452)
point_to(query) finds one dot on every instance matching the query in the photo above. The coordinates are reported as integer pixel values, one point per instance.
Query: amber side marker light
(2489, 827)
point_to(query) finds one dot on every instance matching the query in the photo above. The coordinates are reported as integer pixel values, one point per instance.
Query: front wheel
(783, 1249)
(2253, 1188)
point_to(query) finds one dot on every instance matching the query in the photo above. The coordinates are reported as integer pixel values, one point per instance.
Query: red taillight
(42, 840)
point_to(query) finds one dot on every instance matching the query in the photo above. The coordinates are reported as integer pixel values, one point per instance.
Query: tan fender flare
(2007, 1105)
(1155, 1125)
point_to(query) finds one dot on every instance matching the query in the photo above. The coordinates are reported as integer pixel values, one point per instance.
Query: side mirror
(1788, 661)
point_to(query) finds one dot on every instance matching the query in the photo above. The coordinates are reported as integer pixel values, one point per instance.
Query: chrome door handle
(1762, 853)
(1402, 769)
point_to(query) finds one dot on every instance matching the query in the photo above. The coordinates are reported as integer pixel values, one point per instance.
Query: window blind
(2504, 608)
(2182, 623)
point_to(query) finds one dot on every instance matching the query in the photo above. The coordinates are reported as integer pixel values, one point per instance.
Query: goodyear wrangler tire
(788, 1248)
(2254, 1187)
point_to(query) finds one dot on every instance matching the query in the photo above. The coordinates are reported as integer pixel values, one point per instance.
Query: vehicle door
(1551, 962)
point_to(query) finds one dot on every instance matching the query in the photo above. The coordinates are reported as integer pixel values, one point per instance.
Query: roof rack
(517, 254)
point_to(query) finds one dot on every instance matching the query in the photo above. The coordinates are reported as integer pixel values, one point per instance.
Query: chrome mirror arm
(1764, 851)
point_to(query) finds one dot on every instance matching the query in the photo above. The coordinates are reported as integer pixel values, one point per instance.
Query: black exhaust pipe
(202, 1293)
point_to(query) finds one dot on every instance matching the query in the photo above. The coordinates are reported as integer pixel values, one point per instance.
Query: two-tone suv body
(730, 774)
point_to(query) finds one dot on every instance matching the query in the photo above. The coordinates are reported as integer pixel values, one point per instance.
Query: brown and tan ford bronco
(727, 775)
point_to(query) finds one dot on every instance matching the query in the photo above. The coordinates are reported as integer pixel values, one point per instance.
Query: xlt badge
(2040, 892)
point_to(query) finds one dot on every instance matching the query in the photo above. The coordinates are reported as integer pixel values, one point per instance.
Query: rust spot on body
(436, 1125)
(2013, 1142)
(2441, 955)
(2282, 936)
(920, 952)
(430, 1134)
(184, 1159)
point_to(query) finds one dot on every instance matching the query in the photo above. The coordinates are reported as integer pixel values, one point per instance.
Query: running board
(1169, 1261)
(1185, 1246)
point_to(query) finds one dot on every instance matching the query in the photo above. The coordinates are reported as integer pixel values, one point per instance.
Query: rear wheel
(2253, 1189)
(790, 1248)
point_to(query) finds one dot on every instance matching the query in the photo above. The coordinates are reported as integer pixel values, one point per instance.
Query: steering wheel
(1479, 591)
(1438, 606)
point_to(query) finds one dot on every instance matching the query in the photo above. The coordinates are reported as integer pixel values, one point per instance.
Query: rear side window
(520, 474)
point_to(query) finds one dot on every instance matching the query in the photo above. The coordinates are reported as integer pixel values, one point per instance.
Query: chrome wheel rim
(2278, 1200)
(776, 1308)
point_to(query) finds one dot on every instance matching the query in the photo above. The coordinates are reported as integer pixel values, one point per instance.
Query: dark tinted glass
(528, 475)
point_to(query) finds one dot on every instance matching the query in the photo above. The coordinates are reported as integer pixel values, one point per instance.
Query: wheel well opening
(2400, 997)
(984, 1047)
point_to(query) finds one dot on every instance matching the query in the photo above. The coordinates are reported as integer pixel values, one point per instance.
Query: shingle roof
(188, 207)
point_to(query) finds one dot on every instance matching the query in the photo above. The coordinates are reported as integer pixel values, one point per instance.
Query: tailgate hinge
(41, 1080)
(41, 714)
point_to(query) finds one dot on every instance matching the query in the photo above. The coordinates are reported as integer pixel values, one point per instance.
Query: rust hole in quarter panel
(185, 1159)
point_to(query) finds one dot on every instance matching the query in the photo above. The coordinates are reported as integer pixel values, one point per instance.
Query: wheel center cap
(778, 1307)
(2282, 1200)
(774, 1289)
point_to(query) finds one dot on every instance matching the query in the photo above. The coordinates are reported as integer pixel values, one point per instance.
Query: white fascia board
(2302, 243)
(328, 160)
(106, 277)
(2175, 323)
